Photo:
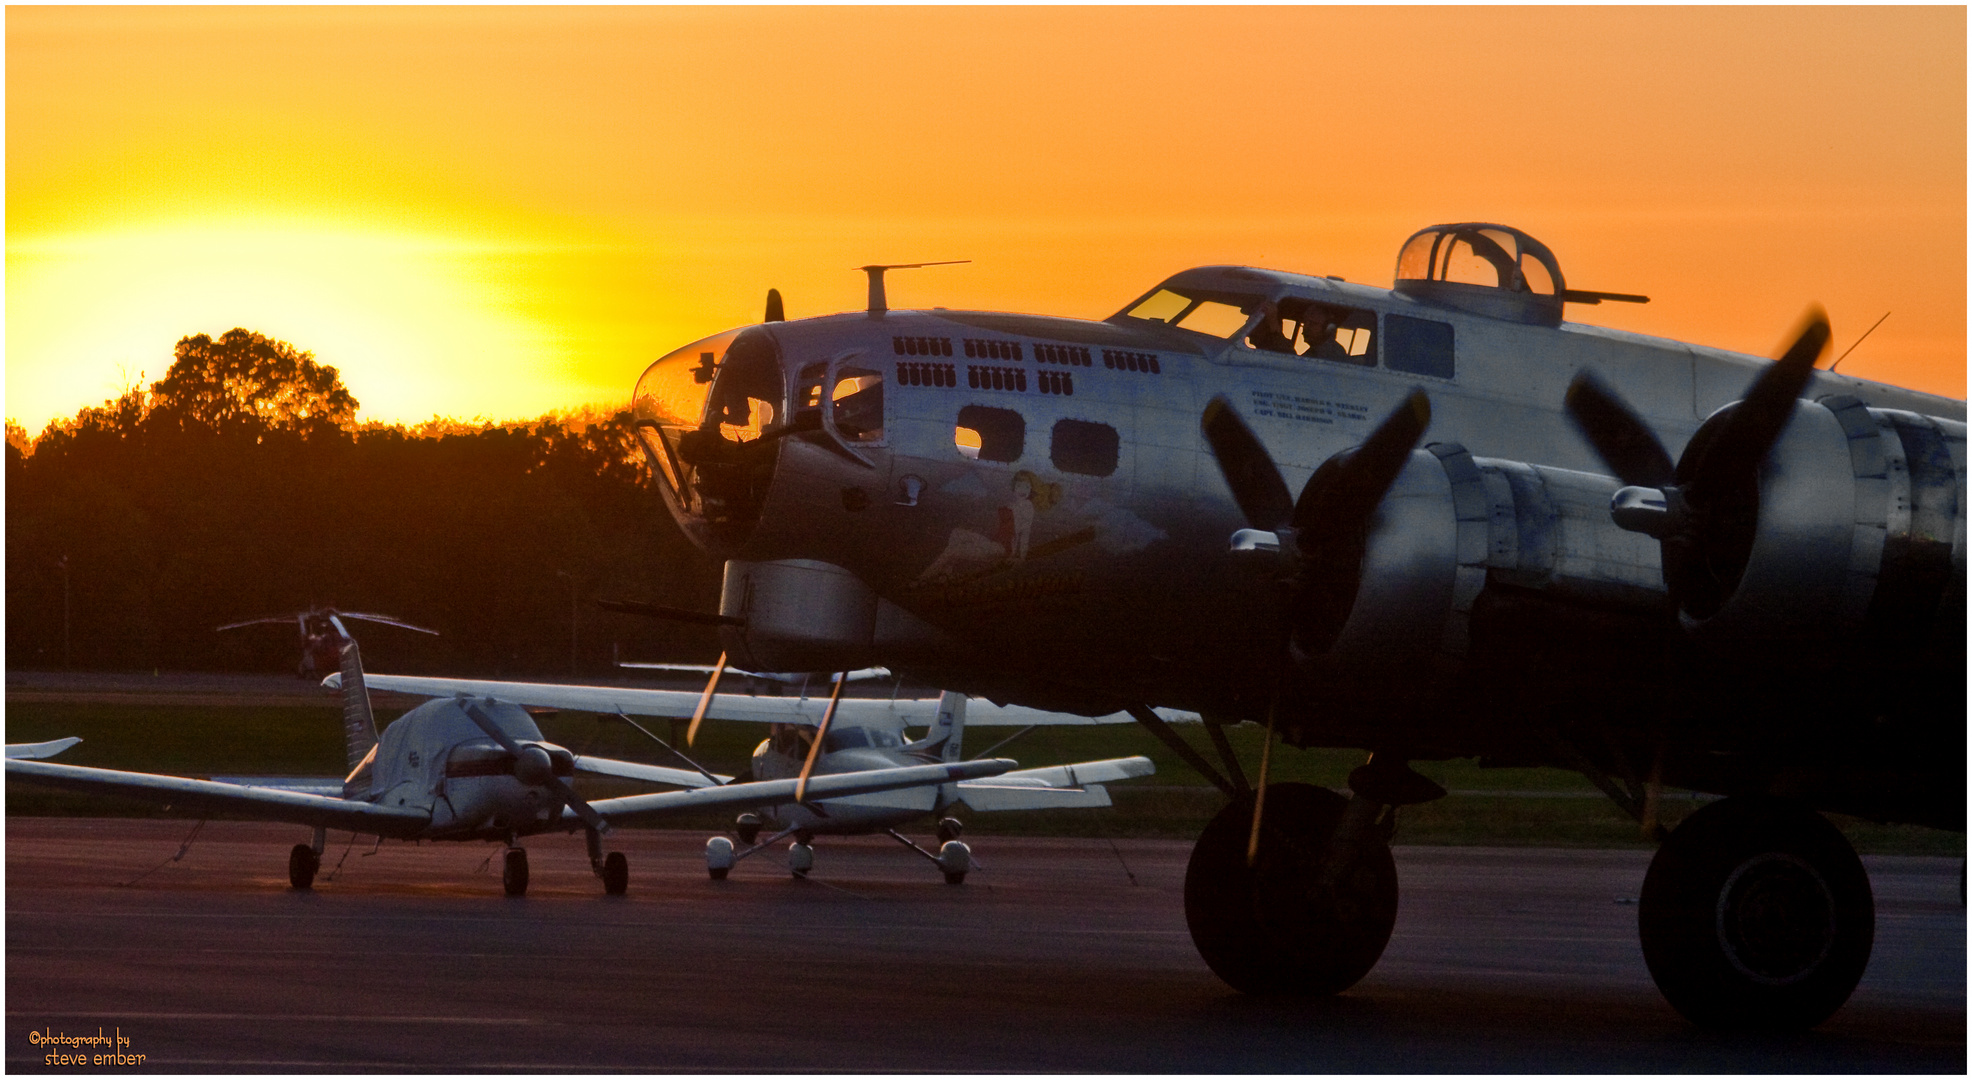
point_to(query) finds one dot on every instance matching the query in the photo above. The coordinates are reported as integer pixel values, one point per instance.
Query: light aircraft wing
(655, 774)
(313, 785)
(1055, 787)
(822, 680)
(680, 704)
(637, 808)
(186, 795)
(35, 751)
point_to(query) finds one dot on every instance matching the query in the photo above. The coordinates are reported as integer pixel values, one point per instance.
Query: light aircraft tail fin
(359, 725)
(947, 731)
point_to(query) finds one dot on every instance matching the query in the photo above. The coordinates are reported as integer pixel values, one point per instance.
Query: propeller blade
(1758, 419)
(775, 313)
(1340, 497)
(1260, 784)
(705, 700)
(387, 620)
(815, 748)
(257, 622)
(1249, 470)
(1618, 435)
(552, 782)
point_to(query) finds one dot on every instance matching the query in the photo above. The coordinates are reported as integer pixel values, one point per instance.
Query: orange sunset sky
(503, 211)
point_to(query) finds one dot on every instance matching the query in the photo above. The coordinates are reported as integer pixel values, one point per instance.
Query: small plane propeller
(532, 765)
(821, 732)
(1703, 510)
(1321, 535)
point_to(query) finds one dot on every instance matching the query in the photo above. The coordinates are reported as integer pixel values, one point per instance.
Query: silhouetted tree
(245, 381)
(238, 487)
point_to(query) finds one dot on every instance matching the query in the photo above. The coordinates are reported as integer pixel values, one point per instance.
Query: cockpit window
(846, 738)
(1215, 318)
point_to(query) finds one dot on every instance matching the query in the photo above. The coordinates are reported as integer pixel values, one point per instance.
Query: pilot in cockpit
(1267, 335)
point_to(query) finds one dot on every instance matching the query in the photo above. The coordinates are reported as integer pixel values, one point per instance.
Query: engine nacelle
(1857, 540)
(1450, 527)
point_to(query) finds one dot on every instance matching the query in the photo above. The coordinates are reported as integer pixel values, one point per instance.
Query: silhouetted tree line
(239, 486)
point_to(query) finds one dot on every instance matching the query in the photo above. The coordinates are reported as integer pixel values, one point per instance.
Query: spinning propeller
(1320, 536)
(1704, 510)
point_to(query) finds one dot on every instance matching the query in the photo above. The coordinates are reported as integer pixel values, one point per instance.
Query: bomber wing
(185, 795)
(639, 808)
(680, 704)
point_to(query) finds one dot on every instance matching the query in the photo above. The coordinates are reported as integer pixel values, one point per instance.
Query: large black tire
(1281, 927)
(302, 864)
(616, 874)
(513, 872)
(1756, 914)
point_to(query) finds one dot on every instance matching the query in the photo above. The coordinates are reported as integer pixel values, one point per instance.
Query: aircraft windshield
(1203, 315)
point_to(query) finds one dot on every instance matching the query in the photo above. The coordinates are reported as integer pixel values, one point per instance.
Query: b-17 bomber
(1427, 522)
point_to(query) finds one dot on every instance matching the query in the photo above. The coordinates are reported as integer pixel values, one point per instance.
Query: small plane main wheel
(302, 864)
(513, 872)
(1756, 914)
(800, 858)
(1291, 923)
(616, 874)
(954, 877)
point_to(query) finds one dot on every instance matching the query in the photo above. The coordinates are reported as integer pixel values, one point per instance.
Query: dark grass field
(1532, 807)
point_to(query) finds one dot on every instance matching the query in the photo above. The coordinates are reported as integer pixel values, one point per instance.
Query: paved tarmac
(1059, 956)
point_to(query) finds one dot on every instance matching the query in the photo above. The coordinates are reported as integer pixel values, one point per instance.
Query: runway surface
(1058, 956)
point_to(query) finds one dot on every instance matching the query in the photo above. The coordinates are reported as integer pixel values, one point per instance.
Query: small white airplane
(838, 738)
(458, 769)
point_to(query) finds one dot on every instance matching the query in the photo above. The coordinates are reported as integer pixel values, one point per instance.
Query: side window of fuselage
(988, 434)
(1418, 346)
(857, 401)
(1085, 447)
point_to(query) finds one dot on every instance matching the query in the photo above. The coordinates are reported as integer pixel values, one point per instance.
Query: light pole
(63, 563)
(571, 617)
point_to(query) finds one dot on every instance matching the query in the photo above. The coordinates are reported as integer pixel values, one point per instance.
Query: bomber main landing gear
(1313, 913)
(1756, 913)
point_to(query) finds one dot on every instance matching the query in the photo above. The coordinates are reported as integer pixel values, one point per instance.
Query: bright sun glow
(408, 320)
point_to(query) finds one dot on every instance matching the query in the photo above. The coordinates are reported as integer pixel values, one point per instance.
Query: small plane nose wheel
(513, 872)
(719, 858)
(954, 859)
(302, 864)
(1756, 914)
(950, 829)
(747, 826)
